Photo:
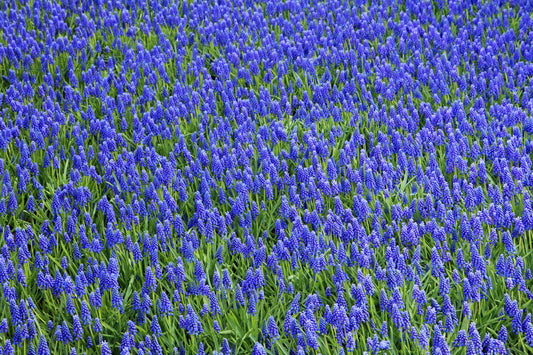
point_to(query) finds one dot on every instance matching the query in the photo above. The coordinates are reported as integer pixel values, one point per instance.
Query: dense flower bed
(266, 177)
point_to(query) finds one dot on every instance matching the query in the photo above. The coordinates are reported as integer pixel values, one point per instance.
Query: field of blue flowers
(266, 177)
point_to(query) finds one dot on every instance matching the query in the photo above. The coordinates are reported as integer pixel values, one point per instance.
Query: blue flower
(528, 332)
(258, 349)
(105, 348)
(502, 334)
(8, 348)
(97, 326)
(461, 339)
(12, 203)
(66, 335)
(166, 305)
(155, 328)
(474, 337)
(77, 328)
(216, 326)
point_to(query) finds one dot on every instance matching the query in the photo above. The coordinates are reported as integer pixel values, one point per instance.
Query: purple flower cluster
(266, 176)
